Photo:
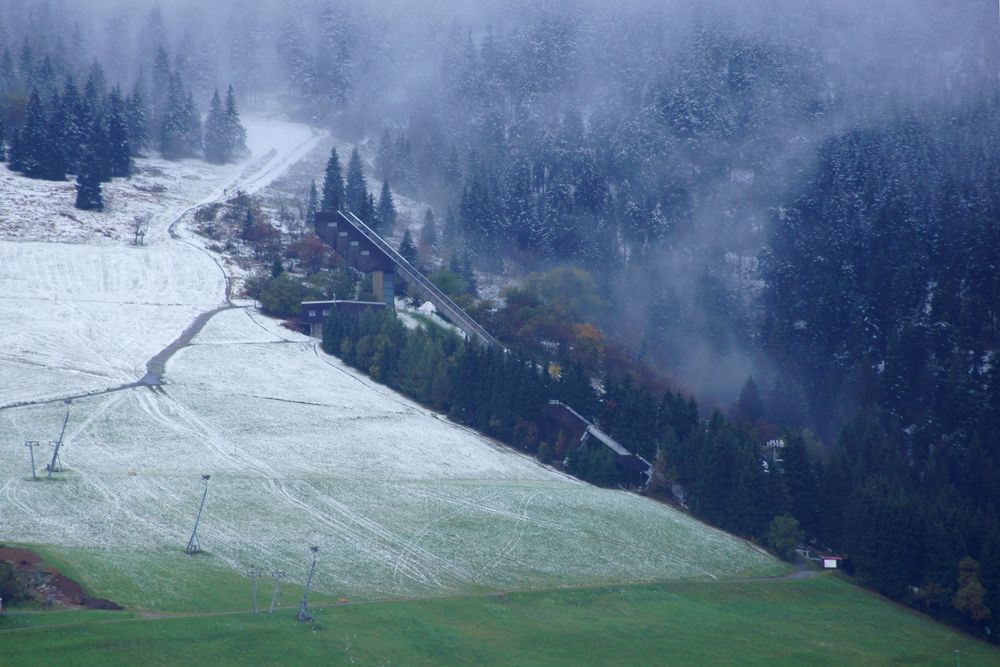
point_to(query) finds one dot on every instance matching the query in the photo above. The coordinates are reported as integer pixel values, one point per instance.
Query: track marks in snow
(112, 308)
(404, 503)
(72, 433)
(88, 318)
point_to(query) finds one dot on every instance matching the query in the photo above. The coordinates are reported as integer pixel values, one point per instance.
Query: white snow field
(77, 318)
(81, 310)
(303, 450)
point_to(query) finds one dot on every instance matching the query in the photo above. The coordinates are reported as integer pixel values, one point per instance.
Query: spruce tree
(119, 150)
(428, 233)
(333, 185)
(33, 140)
(88, 185)
(384, 157)
(99, 150)
(453, 175)
(93, 93)
(386, 209)
(15, 157)
(405, 166)
(137, 117)
(74, 125)
(173, 128)
(26, 65)
(52, 153)
(216, 144)
(162, 83)
(236, 134)
(313, 204)
(45, 77)
(800, 480)
(96, 76)
(468, 275)
(356, 191)
(369, 211)
(452, 232)
(192, 127)
(407, 249)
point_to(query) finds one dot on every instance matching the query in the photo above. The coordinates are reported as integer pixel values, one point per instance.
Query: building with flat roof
(314, 313)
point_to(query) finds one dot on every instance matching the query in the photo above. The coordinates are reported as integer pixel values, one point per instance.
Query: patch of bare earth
(46, 585)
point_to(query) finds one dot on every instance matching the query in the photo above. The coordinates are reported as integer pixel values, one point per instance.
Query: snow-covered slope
(76, 318)
(303, 450)
(82, 310)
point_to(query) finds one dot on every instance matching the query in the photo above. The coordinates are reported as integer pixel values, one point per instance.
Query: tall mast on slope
(304, 614)
(192, 546)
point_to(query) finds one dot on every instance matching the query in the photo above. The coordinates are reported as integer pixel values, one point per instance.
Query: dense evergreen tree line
(95, 132)
(351, 193)
(883, 294)
(83, 133)
(498, 393)
(877, 322)
(927, 534)
(225, 136)
(503, 395)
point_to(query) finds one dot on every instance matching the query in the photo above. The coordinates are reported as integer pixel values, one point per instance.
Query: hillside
(820, 621)
(301, 449)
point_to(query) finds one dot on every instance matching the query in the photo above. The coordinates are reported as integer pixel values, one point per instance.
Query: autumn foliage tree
(969, 599)
(312, 253)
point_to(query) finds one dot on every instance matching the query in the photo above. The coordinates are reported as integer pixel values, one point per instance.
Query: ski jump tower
(366, 251)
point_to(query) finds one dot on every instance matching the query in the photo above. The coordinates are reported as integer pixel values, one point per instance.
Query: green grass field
(819, 621)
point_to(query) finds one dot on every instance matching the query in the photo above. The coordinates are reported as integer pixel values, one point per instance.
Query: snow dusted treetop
(216, 145)
(225, 137)
(356, 190)
(333, 185)
(236, 134)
